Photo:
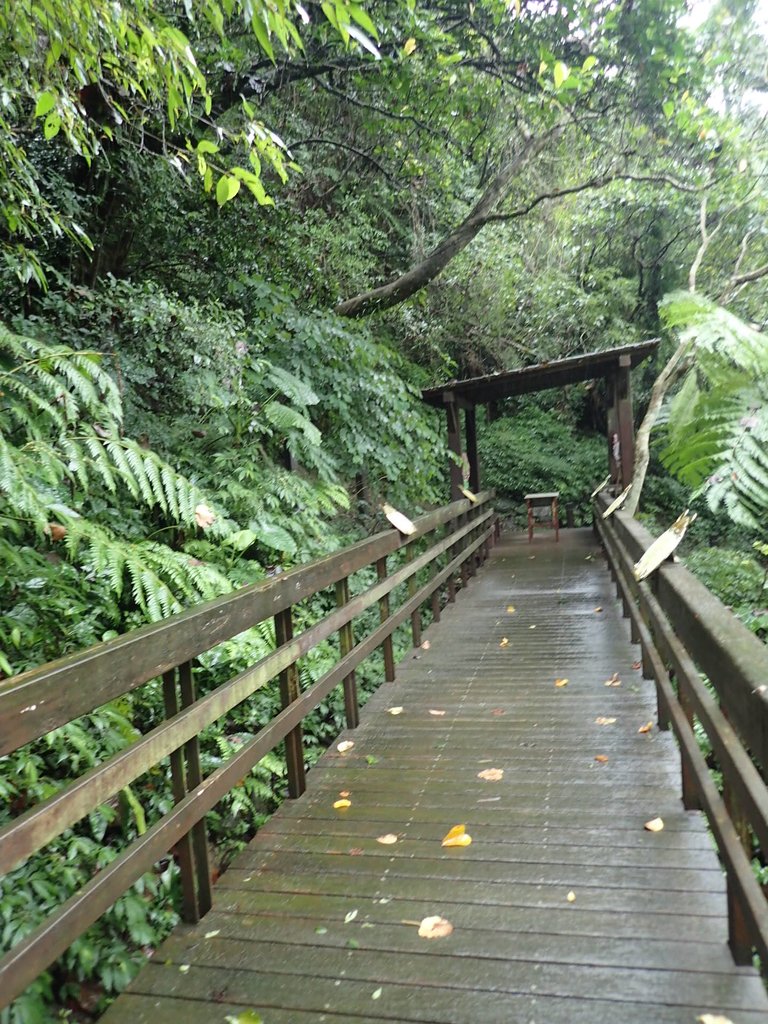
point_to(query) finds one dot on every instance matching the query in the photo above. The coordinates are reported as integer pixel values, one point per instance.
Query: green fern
(718, 422)
(60, 420)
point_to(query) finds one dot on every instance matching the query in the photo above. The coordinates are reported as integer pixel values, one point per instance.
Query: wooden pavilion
(613, 366)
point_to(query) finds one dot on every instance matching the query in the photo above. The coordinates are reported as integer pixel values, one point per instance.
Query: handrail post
(346, 643)
(739, 938)
(415, 615)
(289, 691)
(389, 655)
(451, 581)
(192, 848)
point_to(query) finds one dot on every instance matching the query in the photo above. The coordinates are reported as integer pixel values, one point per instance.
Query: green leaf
(226, 189)
(668, 107)
(45, 102)
(409, 46)
(52, 125)
(363, 20)
(273, 536)
(206, 146)
(589, 63)
(560, 73)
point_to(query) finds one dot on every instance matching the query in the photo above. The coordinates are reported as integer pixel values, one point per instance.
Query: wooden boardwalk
(318, 921)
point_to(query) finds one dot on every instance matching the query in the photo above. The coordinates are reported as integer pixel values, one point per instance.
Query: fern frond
(718, 424)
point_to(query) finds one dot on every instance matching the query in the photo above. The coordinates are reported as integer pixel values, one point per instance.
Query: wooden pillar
(612, 431)
(625, 424)
(470, 426)
(454, 444)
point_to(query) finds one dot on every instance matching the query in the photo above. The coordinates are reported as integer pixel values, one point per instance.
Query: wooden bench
(541, 501)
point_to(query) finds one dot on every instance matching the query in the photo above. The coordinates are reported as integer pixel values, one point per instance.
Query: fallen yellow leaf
(510, 609)
(654, 825)
(713, 1018)
(613, 681)
(602, 758)
(599, 608)
(341, 805)
(388, 839)
(561, 682)
(344, 746)
(436, 713)
(395, 711)
(571, 897)
(491, 774)
(504, 642)
(531, 627)
(457, 836)
(435, 927)
(646, 728)
(426, 645)
(604, 721)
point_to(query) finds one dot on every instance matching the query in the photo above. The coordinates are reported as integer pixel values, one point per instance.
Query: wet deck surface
(317, 921)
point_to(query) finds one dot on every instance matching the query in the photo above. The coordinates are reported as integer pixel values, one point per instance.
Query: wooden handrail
(686, 634)
(38, 701)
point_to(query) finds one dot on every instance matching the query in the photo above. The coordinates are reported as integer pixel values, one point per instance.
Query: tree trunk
(413, 280)
(674, 369)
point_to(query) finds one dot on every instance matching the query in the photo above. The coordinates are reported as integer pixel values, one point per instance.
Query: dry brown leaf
(646, 728)
(457, 836)
(345, 792)
(510, 609)
(344, 746)
(395, 711)
(602, 758)
(663, 546)
(498, 711)
(356, 851)
(436, 712)
(341, 805)
(491, 774)
(613, 681)
(571, 897)
(637, 664)
(400, 522)
(598, 609)
(504, 642)
(56, 531)
(617, 502)
(561, 682)
(654, 825)
(435, 927)
(388, 840)
(604, 721)
(426, 645)
(204, 517)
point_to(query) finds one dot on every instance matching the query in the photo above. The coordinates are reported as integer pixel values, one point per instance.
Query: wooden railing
(712, 672)
(456, 539)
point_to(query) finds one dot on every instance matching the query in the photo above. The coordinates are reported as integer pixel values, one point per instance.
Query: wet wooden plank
(645, 938)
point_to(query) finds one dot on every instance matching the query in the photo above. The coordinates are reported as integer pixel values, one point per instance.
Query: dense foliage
(198, 202)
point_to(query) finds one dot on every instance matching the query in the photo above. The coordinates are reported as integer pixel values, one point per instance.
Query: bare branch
(599, 182)
(706, 238)
(343, 145)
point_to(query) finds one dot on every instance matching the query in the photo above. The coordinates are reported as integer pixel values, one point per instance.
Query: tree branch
(343, 145)
(598, 182)
(417, 277)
